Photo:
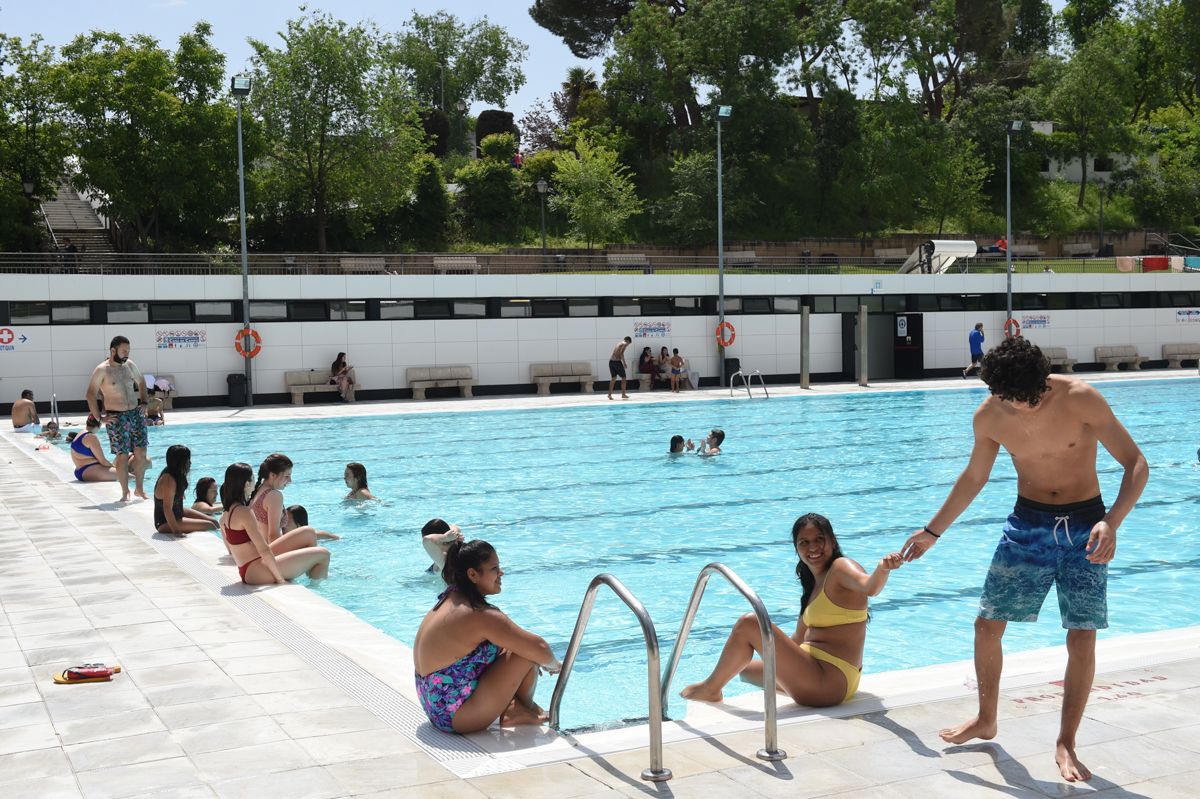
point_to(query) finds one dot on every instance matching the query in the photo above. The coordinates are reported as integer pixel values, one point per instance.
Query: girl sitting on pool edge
(821, 664)
(472, 663)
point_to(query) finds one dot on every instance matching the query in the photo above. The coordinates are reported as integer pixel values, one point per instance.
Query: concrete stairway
(70, 216)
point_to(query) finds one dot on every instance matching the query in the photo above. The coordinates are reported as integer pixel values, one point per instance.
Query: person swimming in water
(820, 665)
(679, 446)
(472, 663)
(436, 536)
(355, 478)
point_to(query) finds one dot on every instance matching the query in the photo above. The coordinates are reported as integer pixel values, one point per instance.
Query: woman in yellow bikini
(821, 664)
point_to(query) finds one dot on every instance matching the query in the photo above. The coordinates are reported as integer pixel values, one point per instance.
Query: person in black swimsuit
(169, 514)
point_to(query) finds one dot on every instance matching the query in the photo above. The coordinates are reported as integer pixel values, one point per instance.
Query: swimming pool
(565, 494)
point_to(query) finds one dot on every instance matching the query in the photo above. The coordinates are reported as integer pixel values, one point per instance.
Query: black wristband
(931, 532)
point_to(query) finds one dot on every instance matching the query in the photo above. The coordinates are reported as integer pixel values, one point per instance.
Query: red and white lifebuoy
(1012, 328)
(726, 327)
(241, 350)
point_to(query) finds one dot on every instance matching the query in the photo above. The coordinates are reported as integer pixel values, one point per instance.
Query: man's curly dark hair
(1017, 371)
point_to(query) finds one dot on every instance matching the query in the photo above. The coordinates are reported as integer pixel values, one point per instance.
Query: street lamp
(723, 112)
(27, 186)
(1101, 182)
(1013, 127)
(240, 88)
(541, 187)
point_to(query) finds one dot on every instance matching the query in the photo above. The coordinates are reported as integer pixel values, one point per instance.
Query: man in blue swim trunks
(1059, 532)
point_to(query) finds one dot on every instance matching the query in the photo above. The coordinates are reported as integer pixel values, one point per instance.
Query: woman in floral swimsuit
(473, 664)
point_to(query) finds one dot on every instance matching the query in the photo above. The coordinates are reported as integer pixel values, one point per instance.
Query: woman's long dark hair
(807, 579)
(462, 556)
(202, 486)
(233, 490)
(359, 473)
(179, 461)
(274, 463)
(338, 364)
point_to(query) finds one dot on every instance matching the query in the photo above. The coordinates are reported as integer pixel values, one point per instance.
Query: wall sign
(9, 339)
(181, 339)
(901, 326)
(651, 329)
(1033, 321)
(1186, 316)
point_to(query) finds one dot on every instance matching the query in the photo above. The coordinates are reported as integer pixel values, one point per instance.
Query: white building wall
(59, 359)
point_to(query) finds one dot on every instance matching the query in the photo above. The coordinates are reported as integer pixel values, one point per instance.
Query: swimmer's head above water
(676, 444)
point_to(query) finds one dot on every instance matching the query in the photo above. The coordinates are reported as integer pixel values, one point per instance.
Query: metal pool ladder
(770, 750)
(747, 382)
(656, 772)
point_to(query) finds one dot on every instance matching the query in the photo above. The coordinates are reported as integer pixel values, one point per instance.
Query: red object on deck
(1156, 263)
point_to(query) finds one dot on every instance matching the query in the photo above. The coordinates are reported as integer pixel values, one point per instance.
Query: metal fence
(508, 263)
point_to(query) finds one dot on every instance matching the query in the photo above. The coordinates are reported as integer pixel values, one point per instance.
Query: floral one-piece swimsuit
(444, 691)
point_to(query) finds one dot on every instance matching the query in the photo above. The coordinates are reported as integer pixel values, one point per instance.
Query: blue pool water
(564, 494)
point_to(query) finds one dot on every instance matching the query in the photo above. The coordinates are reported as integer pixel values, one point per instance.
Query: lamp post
(28, 185)
(1101, 183)
(723, 112)
(1013, 127)
(240, 88)
(461, 107)
(541, 187)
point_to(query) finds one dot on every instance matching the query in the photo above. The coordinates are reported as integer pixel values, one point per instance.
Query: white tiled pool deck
(233, 692)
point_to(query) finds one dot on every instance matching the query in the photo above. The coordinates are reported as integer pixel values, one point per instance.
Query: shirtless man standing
(616, 367)
(24, 414)
(121, 384)
(1059, 531)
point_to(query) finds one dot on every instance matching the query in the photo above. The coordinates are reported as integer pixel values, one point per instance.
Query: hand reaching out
(917, 545)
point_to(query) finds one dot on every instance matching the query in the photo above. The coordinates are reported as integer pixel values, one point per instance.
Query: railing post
(805, 350)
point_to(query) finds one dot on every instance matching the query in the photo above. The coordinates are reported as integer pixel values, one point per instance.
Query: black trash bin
(732, 367)
(237, 390)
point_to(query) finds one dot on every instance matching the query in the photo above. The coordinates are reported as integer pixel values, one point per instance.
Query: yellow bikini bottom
(852, 674)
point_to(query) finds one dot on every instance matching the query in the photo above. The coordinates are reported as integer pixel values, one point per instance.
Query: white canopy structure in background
(938, 255)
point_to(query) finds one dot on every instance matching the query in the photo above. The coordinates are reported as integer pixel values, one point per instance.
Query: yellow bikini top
(822, 612)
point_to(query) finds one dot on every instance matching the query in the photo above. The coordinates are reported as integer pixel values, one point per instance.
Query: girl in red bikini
(260, 563)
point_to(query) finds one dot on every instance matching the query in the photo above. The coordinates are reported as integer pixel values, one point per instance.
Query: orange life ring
(1012, 328)
(721, 328)
(237, 342)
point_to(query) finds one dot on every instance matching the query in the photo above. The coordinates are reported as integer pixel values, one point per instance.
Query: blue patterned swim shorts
(1044, 545)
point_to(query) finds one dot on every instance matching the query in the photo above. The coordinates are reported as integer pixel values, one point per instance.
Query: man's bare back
(1052, 445)
(24, 412)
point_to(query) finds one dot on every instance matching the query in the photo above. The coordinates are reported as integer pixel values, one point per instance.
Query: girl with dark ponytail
(169, 514)
(820, 665)
(274, 475)
(473, 664)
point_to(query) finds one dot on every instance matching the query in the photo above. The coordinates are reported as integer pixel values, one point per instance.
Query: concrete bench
(543, 374)
(363, 264)
(1112, 357)
(167, 397)
(892, 253)
(313, 381)
(1058, 357)
(1176, 354)
(423, 377)
(1026, 251)
(456, 264)
(620, 261)
(1079, 250)
(741, 258)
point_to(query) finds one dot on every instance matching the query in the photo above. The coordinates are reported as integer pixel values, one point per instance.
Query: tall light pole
(240, 87)
(1101, 182)
(723, 112)
(541, 187)
(1013, 127)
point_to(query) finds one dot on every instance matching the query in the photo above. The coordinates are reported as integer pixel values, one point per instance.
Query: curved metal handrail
(656, 772)
(745, 384)
(747, 380)
(770, 750)
(761, 382)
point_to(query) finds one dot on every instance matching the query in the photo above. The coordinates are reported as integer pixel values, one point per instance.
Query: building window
(432, 309)
(396, 309)
(29, 313)
(72, 313)
(756, 305)
(583, 306)
(1111, 300)
(927, 302)
(1045, 164)
(823, 304)
(218, 311)
(657, 306)
(845, 304)
(268, 311)
(1169, 299)
(307, 311)
(1102, 165)
(515, 309)
(347, 310)
(787, 305)
(874, 302)
(550, 307)
(626, 306)
(892, 303)
(128, 313)
(171, 312)
(1031, 302)
(470, 309)
(687, 306)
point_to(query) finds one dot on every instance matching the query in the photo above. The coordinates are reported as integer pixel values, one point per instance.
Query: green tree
(341, 130)
(33, 138)
(954, 177)
(489, 190)
(1033, 27)
(688, 213)
(595, 191)
(1081, 17)
(449, 62)
(430, 209)
(152, 134)
(585, 26)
